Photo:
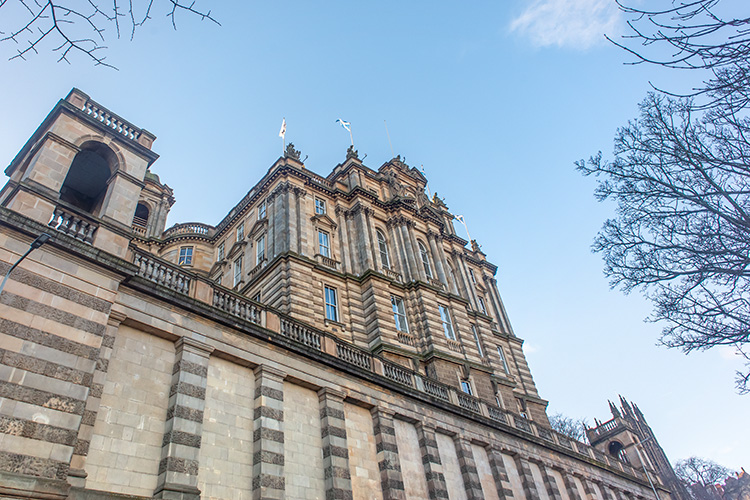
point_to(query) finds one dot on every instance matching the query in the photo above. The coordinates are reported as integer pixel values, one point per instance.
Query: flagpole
(393, 155)
(351, 137)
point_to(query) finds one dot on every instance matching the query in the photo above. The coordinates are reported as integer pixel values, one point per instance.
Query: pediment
(259, 226)
(236, 248)
(323, 220)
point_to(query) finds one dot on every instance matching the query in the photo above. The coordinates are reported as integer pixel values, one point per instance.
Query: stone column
(421, 274)
(396, 250)
(387, 455)
(433, 468)
(409, 251)
(363, 241)
(343, 239)
(588, 487)
(499, 474)
(77, 473)
(292, 227)
(471, 293)
(549, 482)
(373, 246)
(338, 482)
(468, 469)
(527, 479)
(354, 256)
(268, 434)
(178, 469)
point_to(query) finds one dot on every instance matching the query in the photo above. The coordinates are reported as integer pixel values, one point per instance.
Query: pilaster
(268, 434)
(570, 485)
(387, 455)
(499, 473)
(468, 469)
(338, 482)
(549, 482)
(178, 469)
(433, 467)
(527, 479)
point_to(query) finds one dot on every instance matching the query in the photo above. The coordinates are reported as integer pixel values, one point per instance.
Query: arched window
(86, 182)
(140, 219)
(616, 449)
(425, 259)
(383, 248)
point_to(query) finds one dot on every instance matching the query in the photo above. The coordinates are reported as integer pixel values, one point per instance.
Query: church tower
(628, 436)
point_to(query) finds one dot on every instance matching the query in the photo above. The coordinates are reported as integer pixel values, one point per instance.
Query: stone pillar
(588, 487)
(499, 474)
(527, 479)
(354, 256)
(433, 468)
(343, 239)
(77, 473)
(470, 288)
(373, 243)
(549, 482)
(338, 482)
(268, 434)
(366, 240)
(570, 485)
(293, 228)
(387, 455)
(396, 250)
(178, 469)
(468, 469)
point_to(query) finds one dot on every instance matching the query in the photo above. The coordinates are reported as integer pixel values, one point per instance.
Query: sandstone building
(331, 337)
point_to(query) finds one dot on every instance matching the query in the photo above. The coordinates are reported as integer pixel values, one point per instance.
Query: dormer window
(320, 206)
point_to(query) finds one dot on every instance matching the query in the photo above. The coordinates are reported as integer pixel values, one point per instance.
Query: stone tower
(628, 436)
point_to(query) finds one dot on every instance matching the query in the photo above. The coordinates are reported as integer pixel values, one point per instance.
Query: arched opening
(140, 219)
(617, 450)
(86, 182)
(383, 249)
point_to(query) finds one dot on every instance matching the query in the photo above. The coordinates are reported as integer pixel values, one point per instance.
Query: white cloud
(529, 348)
(578, 24)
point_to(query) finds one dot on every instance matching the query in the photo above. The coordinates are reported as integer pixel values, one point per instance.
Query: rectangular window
(262, 210)
(471, 275)
(445, 317)
(399, 315)
(220, 255)
(482, 307)
(186, 256)
(504, 363)
(324, 248)
(476, 339)
(256, 297)
(241, 232)
(466, 387)
(332, 312)
(320, 206)
(237, 270)
(521, 404)
(260, 248)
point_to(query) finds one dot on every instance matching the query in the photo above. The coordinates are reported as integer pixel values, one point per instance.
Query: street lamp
(39, 241)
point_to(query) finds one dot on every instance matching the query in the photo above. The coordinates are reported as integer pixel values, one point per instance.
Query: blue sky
(495, 99)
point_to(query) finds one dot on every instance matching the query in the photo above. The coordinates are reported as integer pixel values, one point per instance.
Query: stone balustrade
(162, 272)
(197, 228)
(111, 120)
(326, 261)
(327, 344)
(75, 225)
(391, 274)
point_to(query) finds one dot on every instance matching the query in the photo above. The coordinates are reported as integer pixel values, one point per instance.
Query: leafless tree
(79, 26)
(701, 476)
(681, 180)
(568, 426)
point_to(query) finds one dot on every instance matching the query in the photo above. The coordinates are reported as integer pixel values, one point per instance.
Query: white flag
(282, 132)
(346, 125)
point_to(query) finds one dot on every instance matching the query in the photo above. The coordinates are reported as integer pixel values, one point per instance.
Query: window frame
(448, 330)
(503, 359)
(482, 305)
(326, 246)
(320, 206)
(241, 231)
(262, 210)
(425, 257)
(466, 386)
(397, 301)
(385, 258)
(185, 259)
(220, 252)
(260, 249)
(330, 297)
(471, 275)
(475, 331)
(237, 271)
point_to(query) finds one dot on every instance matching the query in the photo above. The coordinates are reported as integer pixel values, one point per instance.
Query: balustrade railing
(406, 338)
(398, 373)
(435, 389)
(237, 306)
(189, 228)
(111, 120)
(300, 333)
(74, 225)
(162, 273)
(437, 283)
(454, 345)
(544, 433)
(327, 261)
(353, 355)
(497, 414)
(522, 423)
(468, 402)
(392, 274)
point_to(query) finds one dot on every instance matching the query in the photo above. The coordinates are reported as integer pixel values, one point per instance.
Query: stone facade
(331, 337)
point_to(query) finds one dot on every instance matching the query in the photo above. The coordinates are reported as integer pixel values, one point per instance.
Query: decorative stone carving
(291, 152)
(352, 153)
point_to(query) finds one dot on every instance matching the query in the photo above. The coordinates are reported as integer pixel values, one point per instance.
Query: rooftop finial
(352, 153)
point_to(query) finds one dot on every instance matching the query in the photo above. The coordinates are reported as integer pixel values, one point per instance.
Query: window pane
(261, 249)
(399, 314)
(476, 339)
(323, 248)
(320, 206)
(186, 256)
(383, 248)
(504, 364)
(447, 324)
(331, 304)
